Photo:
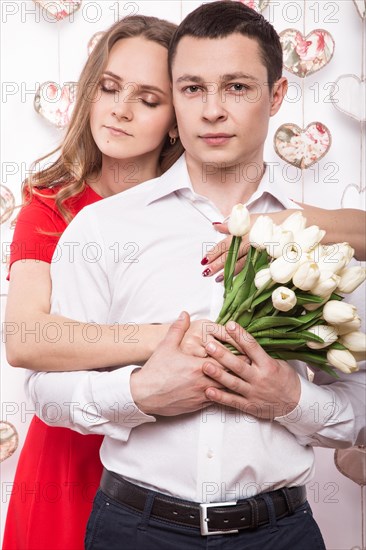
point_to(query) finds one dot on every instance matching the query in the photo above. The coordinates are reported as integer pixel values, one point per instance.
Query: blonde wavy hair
(79, 156)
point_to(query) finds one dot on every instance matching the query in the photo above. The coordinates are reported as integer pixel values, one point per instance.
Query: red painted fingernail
(206, 273)
(204, 261)
(219, 279)
(216, 223)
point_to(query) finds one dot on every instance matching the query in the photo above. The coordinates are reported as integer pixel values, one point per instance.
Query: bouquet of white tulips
(289, 293)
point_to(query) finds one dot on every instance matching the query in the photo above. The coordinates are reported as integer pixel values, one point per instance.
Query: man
(176, 469)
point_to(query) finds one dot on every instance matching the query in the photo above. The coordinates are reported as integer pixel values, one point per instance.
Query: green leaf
(337, 345)
(309, 359)
(230, 263)
(282, 343)
(269, 322)
(303, 298)
(335, 296)
(276, 334)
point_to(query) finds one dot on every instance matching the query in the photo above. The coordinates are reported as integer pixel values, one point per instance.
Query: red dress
(59, 470)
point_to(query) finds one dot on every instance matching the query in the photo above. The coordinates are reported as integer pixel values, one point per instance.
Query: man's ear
(278, 94)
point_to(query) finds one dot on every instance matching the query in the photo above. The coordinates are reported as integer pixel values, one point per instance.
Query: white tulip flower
(306, 275)
(283, 298)
(262, 277)
(326, 332)
(346, 249)
(309, 237)
(295, 223)
(239, 221)
(354, 341)
(343, 360)
(282, 269)
(335, 312)
(333, 263)
(261, 233)
(326, 284)
(280, 241)
(351, 278)
(352, 326)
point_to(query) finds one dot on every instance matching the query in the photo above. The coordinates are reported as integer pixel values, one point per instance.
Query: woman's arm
(342, 225)
(38, 340)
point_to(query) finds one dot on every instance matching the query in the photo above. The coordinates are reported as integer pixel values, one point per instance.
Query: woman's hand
(214, 260)
(200, 333)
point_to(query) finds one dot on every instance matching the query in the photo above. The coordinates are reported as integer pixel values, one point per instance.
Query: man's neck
(226, 186)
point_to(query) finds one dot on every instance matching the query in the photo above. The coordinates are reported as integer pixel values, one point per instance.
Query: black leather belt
(212, 519)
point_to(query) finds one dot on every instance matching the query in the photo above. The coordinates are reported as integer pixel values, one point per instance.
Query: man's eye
(238, 87)
(192, 89)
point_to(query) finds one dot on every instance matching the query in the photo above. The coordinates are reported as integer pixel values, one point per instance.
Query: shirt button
(210, 454)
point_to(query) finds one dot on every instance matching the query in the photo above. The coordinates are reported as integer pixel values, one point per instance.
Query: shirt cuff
(312, 413)
(115, 400)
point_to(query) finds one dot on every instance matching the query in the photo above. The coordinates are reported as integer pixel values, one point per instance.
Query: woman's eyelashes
(111, 87)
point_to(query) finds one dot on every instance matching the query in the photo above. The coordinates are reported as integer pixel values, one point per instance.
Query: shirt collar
(174, 179)
(177, 179)
(270, 184)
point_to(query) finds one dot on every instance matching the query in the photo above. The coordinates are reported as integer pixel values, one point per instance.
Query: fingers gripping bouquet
(289, 293)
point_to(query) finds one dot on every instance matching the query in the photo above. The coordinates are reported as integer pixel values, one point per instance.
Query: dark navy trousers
(113, 526)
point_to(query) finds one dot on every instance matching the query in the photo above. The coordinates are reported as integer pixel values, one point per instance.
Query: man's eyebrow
(234, 76)
(223, 78)
(142, 87)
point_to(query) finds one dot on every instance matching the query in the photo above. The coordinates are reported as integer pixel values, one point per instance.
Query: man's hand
(255, 382)
(172, 382)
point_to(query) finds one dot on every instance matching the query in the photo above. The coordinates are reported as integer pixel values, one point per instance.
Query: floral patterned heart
(302, 147)
(54, 103)
(8, 440)
(257, 5)
(59, 9)
(304, 56)
(349, 96)
(352, 197)
(361, 8)
(94, 41)
(7, 203)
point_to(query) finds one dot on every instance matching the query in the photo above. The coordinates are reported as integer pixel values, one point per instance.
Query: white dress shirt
(135, 257)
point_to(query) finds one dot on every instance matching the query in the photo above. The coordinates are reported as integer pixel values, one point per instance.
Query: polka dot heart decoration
(258, 5)
(302, 147)
(56, 103)
(7, 203)
(59, 9)
(8, 440)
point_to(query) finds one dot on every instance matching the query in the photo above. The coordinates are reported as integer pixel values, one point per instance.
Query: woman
(122, 133)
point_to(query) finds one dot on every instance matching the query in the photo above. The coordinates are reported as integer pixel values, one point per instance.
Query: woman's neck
(116, 176)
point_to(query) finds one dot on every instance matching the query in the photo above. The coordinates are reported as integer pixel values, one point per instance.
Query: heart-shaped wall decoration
(361, 8)
(353, 197)
(94, 41)
(257, 5)
(7, 203)
(59, 9)
(349, 96)
(303, 56)
(302, 147)
(56, 103)
(351, 463)
(8, 440)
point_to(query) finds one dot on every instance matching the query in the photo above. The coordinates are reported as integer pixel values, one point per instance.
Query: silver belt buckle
(204, 520)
